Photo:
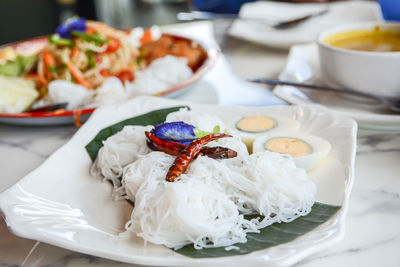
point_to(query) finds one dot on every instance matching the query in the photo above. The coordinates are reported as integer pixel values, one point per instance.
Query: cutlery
(53, 107)
(283, 24)
(392, 103)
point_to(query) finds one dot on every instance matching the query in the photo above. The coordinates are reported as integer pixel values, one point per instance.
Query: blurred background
(22, 19)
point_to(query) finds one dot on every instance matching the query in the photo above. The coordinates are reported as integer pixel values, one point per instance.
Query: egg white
(282, 124)
(320, 147)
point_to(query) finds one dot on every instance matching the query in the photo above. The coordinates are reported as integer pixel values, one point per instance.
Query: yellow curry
(366, 40)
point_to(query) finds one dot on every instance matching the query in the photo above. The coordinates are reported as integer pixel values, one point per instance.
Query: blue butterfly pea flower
(74, 24)
(178, 131)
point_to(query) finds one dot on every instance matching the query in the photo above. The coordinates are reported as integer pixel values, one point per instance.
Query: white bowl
(373, 72)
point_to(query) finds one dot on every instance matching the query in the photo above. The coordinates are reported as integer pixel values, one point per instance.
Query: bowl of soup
(364, 57)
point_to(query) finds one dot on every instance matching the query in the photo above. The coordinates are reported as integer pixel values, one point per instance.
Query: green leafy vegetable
(57, 40)
(139, 61)
(17, 67)
(91, 59)
(56, 68)
(11, 68)
(200, 134)
(26, 62)
(151, 118)
(52, 68)
(96, 38)
(272, 235)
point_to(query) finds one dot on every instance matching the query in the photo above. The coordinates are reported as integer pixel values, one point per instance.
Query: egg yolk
(285, 145)
(255, 124)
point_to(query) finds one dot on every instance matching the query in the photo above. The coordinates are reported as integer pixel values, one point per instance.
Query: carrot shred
(49, 59)
(90, 31)
(146, 38)
(78, 75)
(42, 74)
(74, 52)
(77, 117)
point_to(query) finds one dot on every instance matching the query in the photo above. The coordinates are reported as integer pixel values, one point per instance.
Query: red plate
(60, 117)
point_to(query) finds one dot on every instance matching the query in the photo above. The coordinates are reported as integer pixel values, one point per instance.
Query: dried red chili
(217, 152)
(186, 155)
(169, 147)
(174, 148)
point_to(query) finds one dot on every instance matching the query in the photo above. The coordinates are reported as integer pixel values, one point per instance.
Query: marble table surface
(372, 226)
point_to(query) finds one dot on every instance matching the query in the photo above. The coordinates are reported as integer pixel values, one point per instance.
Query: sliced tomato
(126, 75)
(113, 45)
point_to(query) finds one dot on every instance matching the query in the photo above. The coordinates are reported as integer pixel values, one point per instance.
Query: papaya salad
(86, 64)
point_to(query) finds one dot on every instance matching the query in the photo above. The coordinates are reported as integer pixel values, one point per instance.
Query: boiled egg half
(250, 127)
(306, 150)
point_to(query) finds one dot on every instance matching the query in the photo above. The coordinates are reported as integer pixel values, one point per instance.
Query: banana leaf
(150, 118)
(270, 236)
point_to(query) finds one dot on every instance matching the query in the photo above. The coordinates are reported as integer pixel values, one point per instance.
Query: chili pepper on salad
(184, 158)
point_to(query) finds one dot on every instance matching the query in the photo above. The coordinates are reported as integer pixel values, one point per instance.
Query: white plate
(339, 13)
(61, 204)
(303, 65)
